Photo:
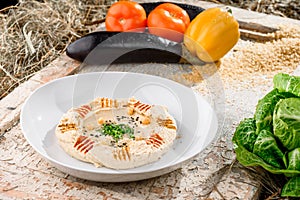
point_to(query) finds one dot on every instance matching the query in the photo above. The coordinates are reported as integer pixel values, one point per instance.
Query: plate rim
(113, 171)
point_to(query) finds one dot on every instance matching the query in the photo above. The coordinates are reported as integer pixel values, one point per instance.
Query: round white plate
(196, 120)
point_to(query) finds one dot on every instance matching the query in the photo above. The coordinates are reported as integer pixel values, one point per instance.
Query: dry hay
(283, 8)
(34, 33)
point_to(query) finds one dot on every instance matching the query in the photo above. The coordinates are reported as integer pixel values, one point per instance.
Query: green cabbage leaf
(245, 134)
(271, 139)
(286, 83)
(250, 159)
(293, 159)
(267, 148)
(291, 188)
(286, 122)
(264, 109)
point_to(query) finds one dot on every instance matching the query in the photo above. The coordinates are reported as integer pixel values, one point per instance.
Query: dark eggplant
(80, 48)
(104, 47)
(192, 10)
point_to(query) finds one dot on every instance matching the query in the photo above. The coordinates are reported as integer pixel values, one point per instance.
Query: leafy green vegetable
(287, 83)
(266, 148)
(293, 159)
(264, 110)
(286, 120)
(291, 188)
(248, 158)
(271, 139)
(245, 134)
(117, 130)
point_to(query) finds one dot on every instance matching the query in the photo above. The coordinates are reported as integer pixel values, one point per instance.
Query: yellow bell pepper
(212, 34)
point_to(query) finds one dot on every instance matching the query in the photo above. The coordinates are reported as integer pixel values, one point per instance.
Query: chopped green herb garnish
(117, 130)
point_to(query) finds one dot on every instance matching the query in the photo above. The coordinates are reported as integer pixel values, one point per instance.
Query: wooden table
(214, 174)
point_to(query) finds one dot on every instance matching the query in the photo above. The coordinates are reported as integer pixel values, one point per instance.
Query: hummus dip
(117, 133)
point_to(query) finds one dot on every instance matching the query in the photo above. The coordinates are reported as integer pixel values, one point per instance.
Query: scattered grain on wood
(269, 58)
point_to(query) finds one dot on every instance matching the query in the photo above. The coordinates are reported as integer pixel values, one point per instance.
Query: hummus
(117, 133)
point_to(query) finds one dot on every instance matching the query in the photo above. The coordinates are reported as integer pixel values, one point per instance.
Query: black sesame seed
(11, 108)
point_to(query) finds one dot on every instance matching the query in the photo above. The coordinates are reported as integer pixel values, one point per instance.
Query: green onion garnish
(117, 130)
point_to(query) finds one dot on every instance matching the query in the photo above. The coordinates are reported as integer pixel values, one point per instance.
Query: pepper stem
(228, 10)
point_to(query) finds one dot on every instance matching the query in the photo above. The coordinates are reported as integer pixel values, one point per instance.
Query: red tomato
(126, 16)
(169, 21)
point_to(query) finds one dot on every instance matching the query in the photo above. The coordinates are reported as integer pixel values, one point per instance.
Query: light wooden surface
(212, 175)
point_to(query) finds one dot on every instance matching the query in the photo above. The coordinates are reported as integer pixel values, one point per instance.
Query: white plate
(196, 120)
